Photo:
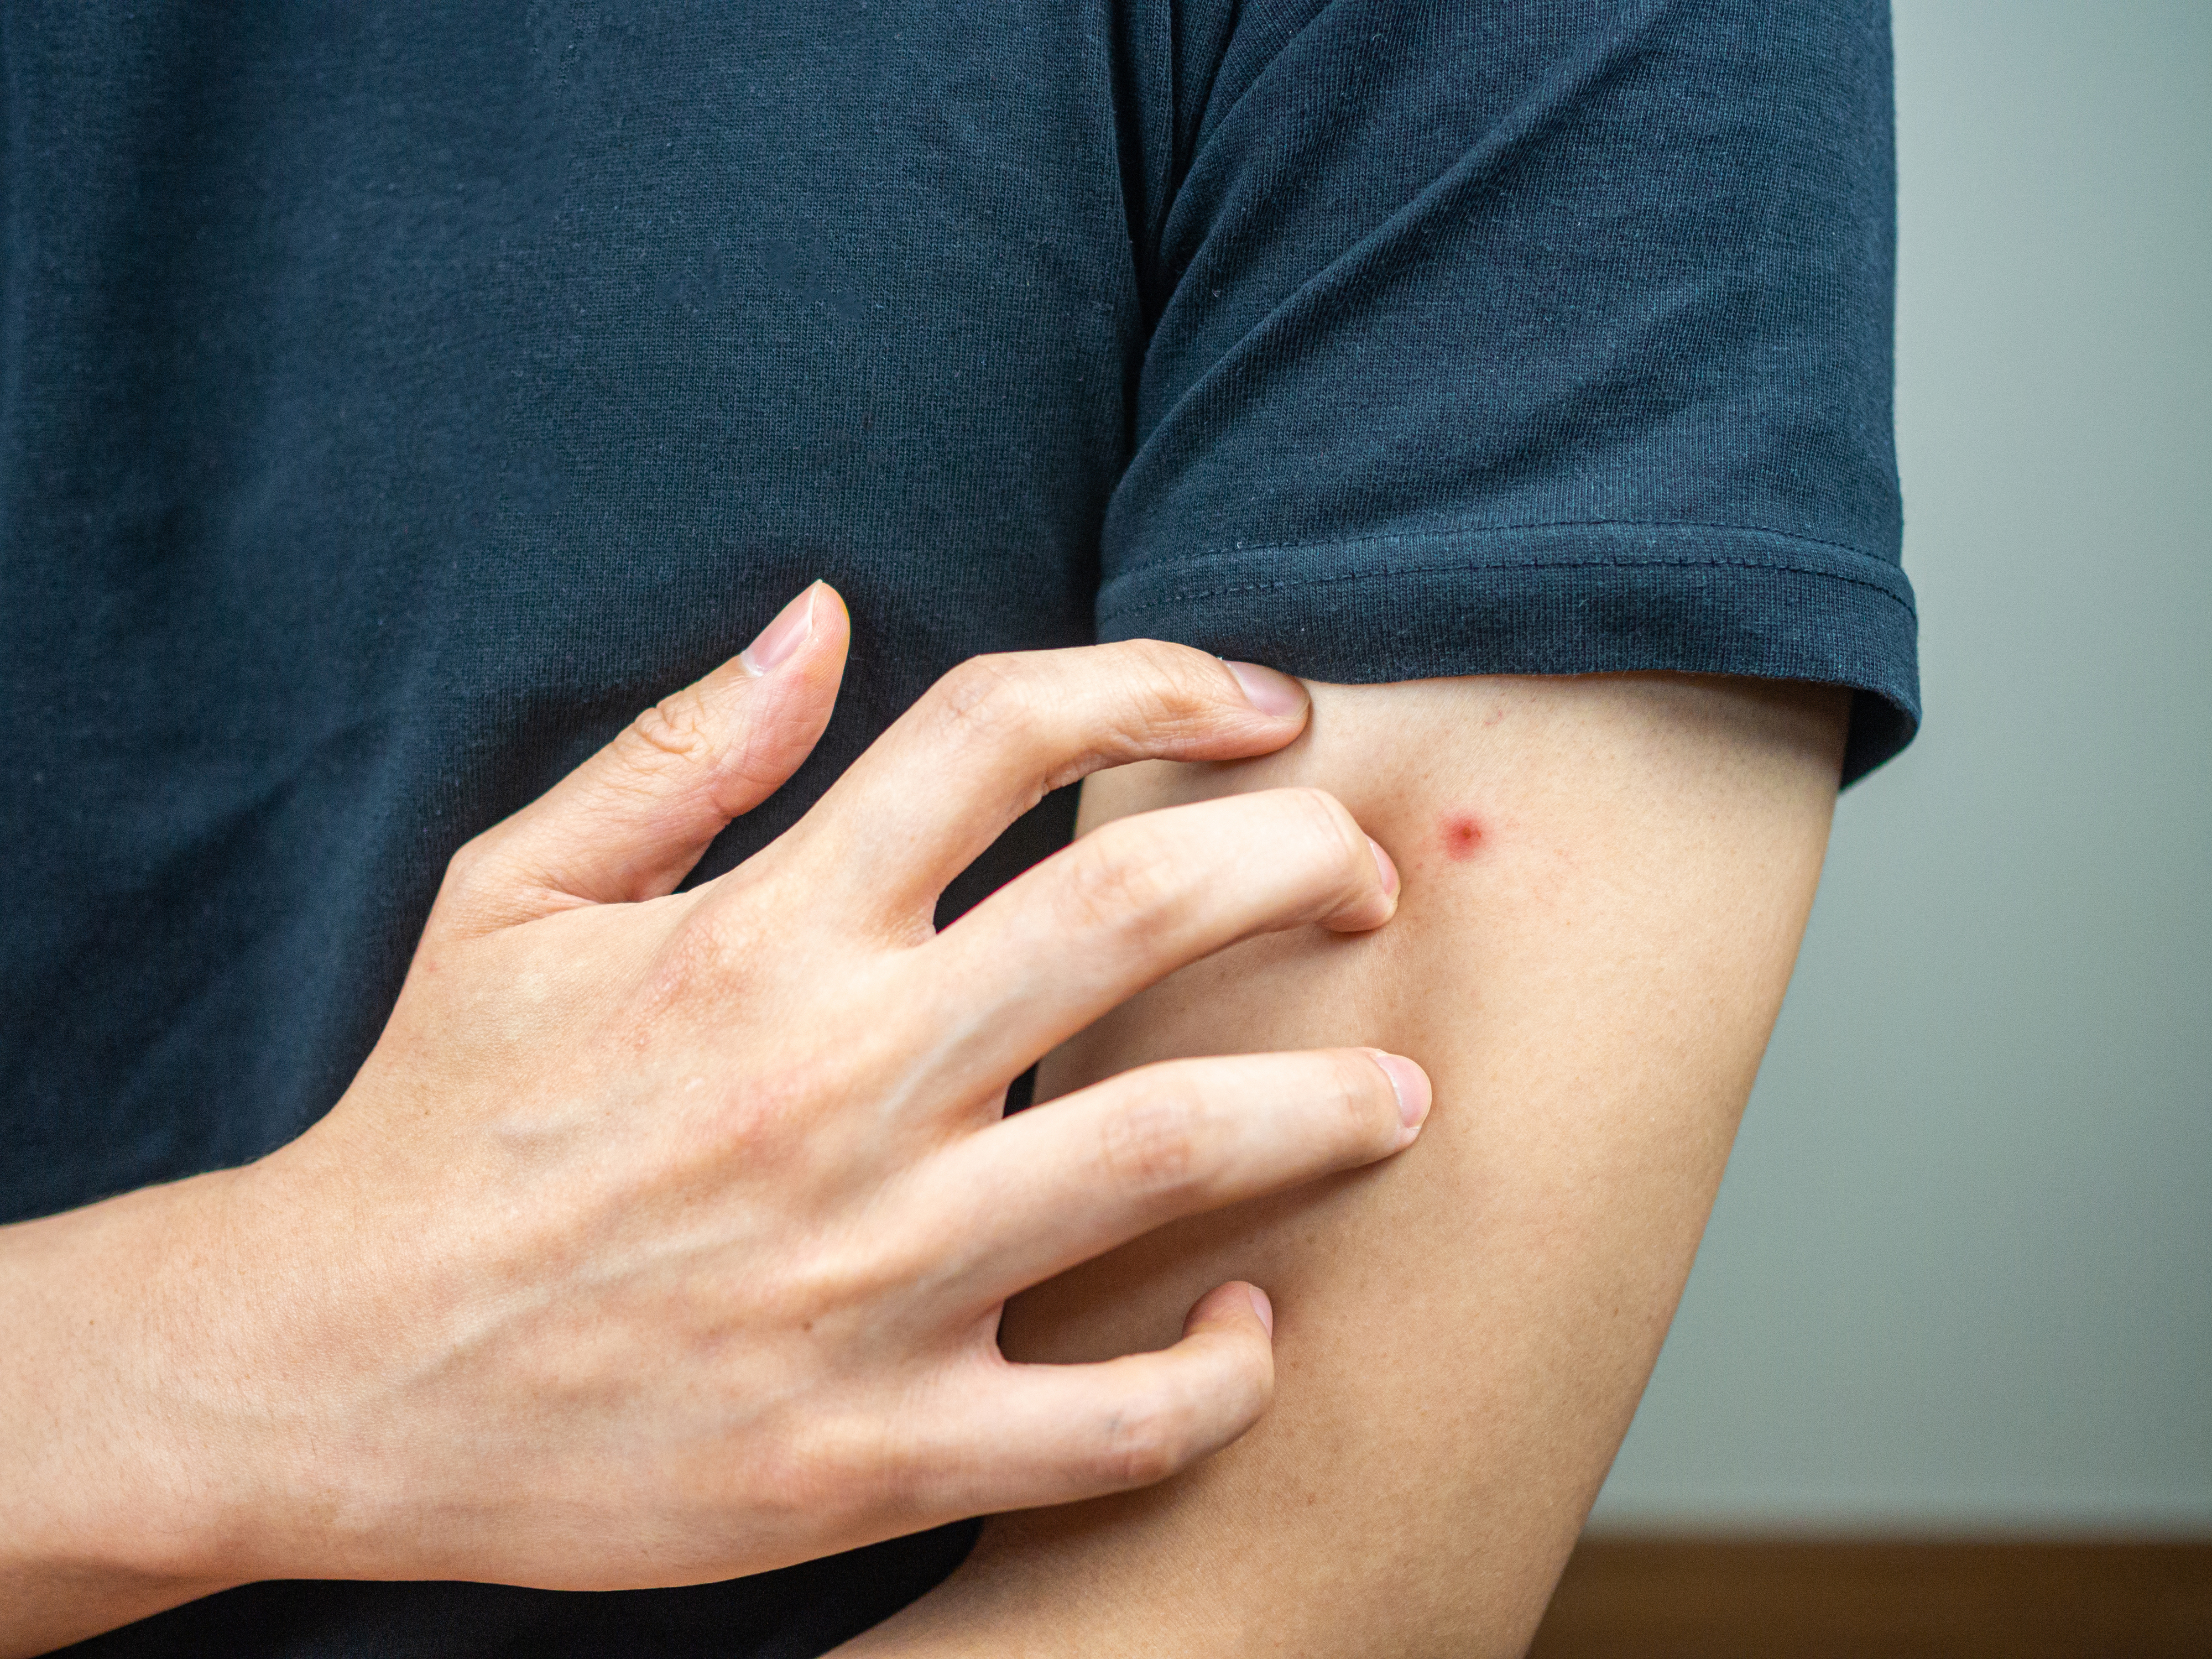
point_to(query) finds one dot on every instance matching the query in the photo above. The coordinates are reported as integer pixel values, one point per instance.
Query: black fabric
(394, 399)
(792, 1614)
(1530, 338)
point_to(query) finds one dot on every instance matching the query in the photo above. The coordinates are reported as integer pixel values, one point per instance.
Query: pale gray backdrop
(1960, 1275)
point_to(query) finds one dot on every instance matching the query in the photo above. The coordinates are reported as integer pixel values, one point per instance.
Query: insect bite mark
(1462, 836)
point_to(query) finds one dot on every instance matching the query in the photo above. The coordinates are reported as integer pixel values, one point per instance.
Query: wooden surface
(1630, 1598)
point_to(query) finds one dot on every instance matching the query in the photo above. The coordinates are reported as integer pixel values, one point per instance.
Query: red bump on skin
(1462, 836)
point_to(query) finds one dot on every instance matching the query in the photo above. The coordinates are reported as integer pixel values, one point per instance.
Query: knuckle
(1152, 1145)
(1178, 670)
(818, 1468)
(840, 1283)
(787, 1475)
(471, 863)
(1318, 825)
(988, 699)
(1318, 814)
(481, 885)
(697, 963)
(1118, 880)
(1178, 680)
(726, 946)
(1171, 692)
(1146, 1440)
(674, 730)
(764, 1123)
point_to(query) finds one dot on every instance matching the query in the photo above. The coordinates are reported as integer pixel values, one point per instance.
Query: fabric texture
(394, 400)
(1515, 338)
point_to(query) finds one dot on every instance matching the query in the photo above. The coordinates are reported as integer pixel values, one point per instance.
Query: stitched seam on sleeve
(1239, 549)
(1185, 595)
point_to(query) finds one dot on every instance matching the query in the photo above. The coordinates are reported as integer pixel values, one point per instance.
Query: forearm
(116, 1505)
(1605, 883)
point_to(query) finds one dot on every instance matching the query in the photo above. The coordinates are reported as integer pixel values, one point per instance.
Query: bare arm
(1605, 883)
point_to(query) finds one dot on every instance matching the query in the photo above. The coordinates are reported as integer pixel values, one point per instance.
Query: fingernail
(791, 627)
(1267, 690)
(1262, 1307)
(1385, 868)
(1410, 1084)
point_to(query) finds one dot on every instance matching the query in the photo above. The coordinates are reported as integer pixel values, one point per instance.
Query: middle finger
(1129, 903)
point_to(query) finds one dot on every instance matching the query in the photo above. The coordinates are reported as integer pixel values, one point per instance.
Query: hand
(663, 1235)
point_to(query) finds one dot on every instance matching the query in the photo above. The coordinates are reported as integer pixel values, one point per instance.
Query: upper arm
(1498, 356)
(1605, 881)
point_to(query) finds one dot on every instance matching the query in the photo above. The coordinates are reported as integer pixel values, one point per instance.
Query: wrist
(133, 1466)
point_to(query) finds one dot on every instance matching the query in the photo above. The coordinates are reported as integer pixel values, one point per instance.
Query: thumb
(630, 822)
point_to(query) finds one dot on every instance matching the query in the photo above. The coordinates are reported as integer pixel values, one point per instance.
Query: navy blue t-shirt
(394, 399)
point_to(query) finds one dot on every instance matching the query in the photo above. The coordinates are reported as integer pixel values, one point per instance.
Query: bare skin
(664, 1237)
(1605, 884)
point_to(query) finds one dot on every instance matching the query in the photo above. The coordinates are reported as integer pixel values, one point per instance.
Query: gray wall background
(1960, 1274)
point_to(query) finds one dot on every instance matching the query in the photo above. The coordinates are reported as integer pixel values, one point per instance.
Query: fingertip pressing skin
(1270, 691)
(1385, 868)
(1372, 910)
(1228, 1337)
(1229, 1305)
(1261, 1306)
(1410, 1084)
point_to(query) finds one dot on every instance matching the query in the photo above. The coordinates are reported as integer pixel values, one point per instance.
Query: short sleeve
(1509, 336)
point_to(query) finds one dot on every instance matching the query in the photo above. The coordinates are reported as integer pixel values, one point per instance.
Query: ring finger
(1052, 1187)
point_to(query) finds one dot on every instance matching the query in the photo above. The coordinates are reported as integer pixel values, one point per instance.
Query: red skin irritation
(1462, 836)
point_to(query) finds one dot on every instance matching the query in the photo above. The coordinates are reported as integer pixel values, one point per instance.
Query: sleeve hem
(1553, 599)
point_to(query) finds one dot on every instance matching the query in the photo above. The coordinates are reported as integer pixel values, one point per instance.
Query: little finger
(1034, 1435)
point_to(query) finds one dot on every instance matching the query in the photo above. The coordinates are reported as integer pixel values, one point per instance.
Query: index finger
(994, 737)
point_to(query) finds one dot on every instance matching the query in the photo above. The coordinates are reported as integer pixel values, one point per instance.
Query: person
(492, 1171)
